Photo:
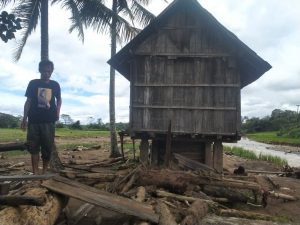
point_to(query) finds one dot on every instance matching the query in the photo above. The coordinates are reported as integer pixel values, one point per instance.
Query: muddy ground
(288, 211)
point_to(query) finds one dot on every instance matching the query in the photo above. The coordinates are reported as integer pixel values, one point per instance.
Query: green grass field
(272, 137)
(246, 154)
(14, 135)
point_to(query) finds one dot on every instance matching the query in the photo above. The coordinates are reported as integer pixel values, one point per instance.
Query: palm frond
(141, 14)
(122, 7)
(74, 7)
(142, 2)
(4, 3)
(96, 15)
(29, 13)
(125, 32)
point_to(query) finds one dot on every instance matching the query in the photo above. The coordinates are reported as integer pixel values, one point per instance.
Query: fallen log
(282, 196)
(140, 194)
(244, 214)
(15, 200)
(268, 172)
(196, 212)
(213, 203)
(165, 215)
(128, 185)
(26, 177)
(101, 177)
(177, 181)
(34, 215)
(232, 195)
(214, 219)
(13, 146)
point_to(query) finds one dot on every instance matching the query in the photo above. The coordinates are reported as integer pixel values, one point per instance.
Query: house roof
(252, 66)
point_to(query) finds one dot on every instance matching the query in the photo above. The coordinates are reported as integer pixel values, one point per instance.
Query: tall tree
(119, 21)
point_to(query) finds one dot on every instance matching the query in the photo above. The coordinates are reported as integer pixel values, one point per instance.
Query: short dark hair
(44, 63)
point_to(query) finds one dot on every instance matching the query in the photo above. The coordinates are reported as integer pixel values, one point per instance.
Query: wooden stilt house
(186, 71)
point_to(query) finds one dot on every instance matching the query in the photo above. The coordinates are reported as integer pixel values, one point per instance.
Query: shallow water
(293, 159)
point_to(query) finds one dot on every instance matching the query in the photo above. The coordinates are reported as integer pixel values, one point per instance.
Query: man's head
(46, 68)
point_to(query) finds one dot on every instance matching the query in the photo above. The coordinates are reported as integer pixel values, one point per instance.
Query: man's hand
(24, 125)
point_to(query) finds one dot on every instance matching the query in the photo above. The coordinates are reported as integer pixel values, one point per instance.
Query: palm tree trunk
(44, 30)
(55, 163)
(114, 151)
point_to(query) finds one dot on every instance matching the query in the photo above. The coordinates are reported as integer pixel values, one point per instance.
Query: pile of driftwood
(187, 192)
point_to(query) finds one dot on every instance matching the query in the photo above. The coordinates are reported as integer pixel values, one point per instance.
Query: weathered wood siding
(184, 73)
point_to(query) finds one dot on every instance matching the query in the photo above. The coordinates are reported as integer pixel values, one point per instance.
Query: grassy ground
(13, 135)
(272, 137)
(243, 153)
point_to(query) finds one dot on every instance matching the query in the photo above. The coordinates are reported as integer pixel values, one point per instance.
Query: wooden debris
(283, 196)
(101, 177)
(129, 184)
(267, 172)
(192, 164)
(196, 212)
(101, 198)
(232, 195)
(26, 177)
(42, 215)
(244, 214)
(140, 194)
(15, 200)
(13, 146)
(212, 203)
(81, 213)
(165, 215)
(178, 180)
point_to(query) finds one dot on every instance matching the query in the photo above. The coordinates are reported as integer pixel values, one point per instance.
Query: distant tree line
(66, 121)
(9, 121)
(285, 122)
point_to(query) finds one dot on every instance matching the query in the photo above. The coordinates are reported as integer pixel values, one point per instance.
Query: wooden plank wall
(185, 73)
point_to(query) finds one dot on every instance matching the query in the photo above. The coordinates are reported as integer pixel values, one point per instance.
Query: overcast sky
(270, 27)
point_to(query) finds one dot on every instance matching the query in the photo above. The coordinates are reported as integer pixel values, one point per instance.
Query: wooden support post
(218, 156)
(133, 146)
(208, 154)
(154, 152)
(168, 145)
(144, 148)
(121, 134)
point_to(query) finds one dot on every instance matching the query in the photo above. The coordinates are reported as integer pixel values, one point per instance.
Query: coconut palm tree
(119, 21)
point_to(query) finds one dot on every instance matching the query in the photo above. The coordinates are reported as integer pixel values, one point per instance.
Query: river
(291, 154)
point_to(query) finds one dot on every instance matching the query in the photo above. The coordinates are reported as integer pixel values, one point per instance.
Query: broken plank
(101, 198)
(26, 177)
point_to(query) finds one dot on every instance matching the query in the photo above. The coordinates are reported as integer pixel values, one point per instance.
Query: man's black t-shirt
(43, 101)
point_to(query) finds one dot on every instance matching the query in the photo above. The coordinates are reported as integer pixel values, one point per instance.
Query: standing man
(42, 109)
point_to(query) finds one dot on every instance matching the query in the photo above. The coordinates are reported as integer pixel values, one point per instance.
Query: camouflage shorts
(40, 138)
